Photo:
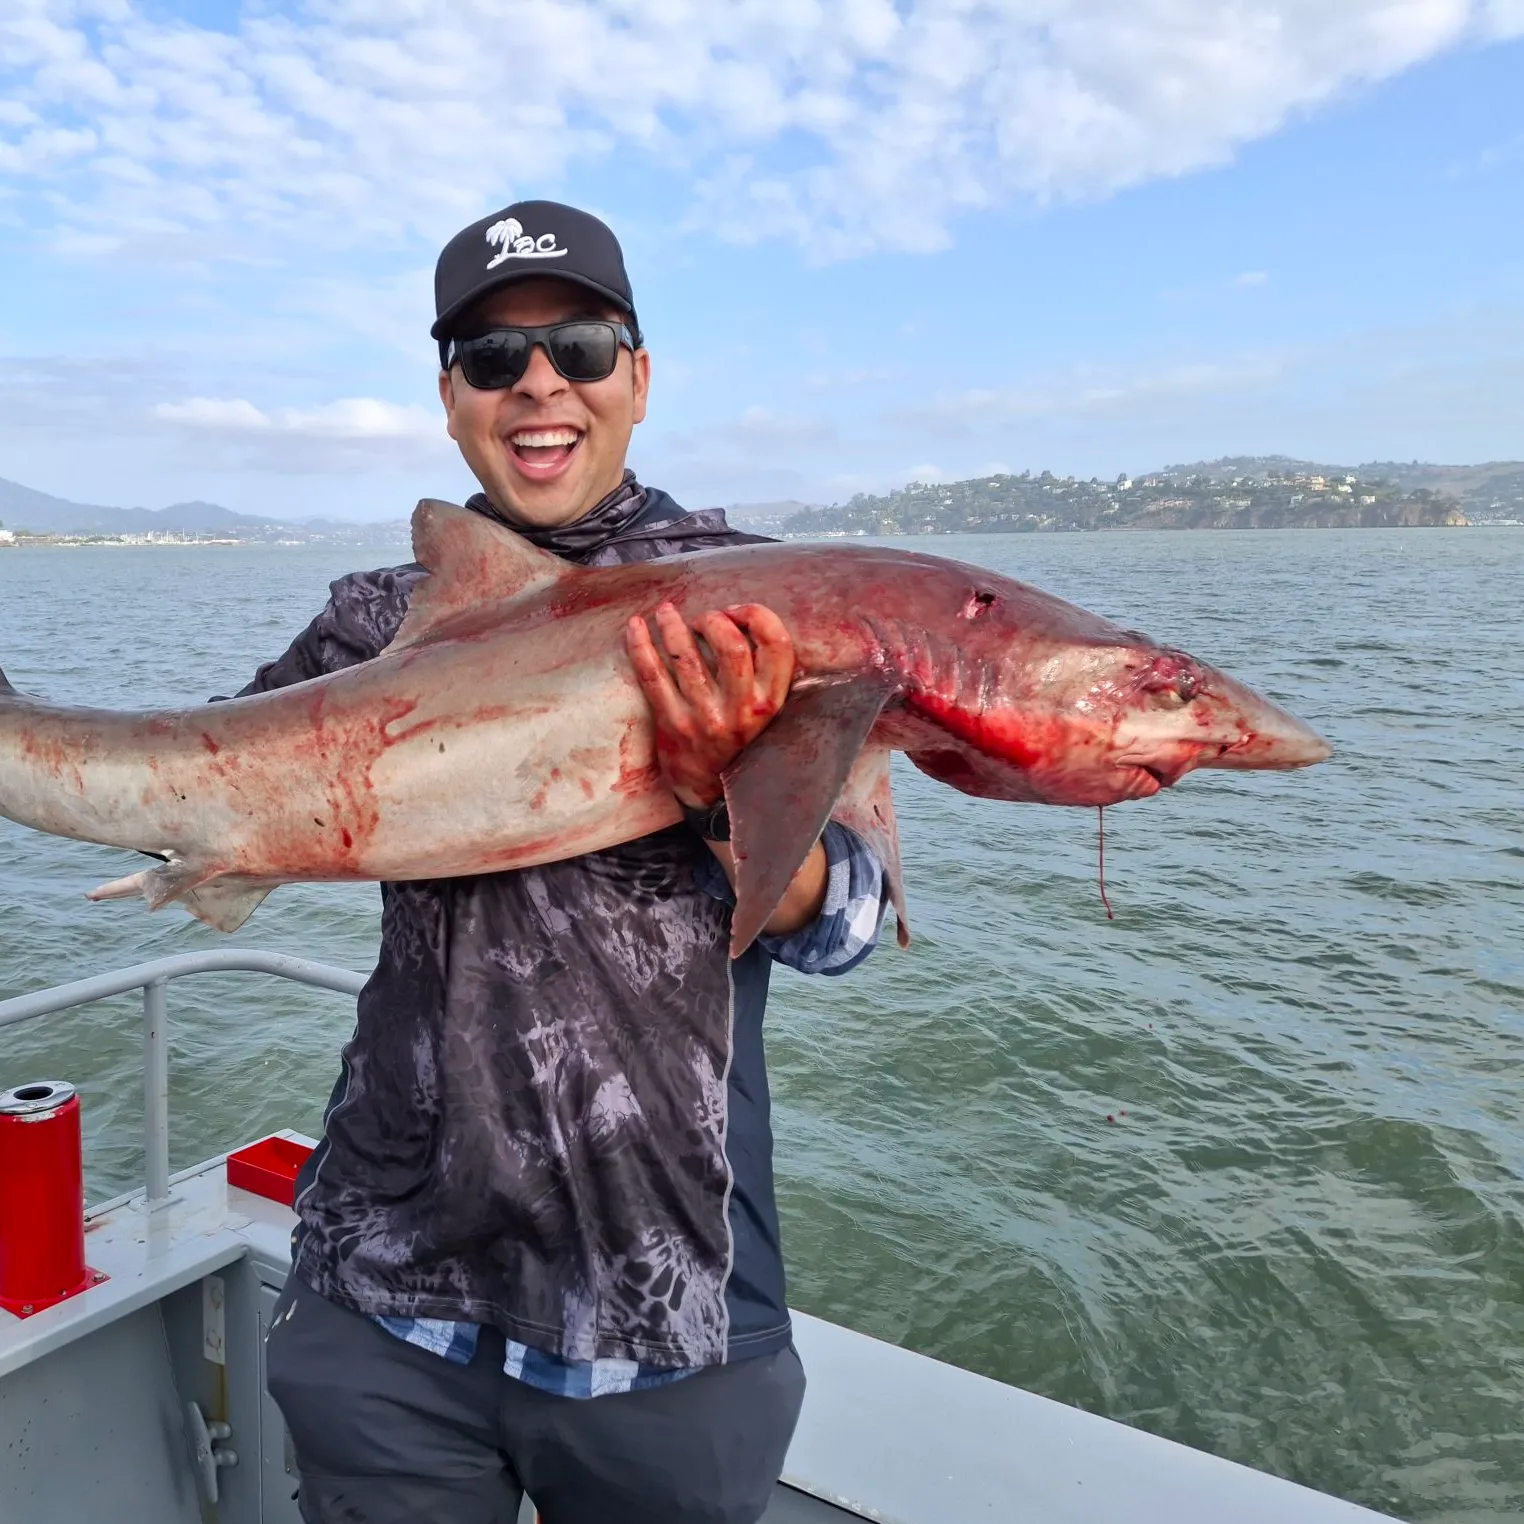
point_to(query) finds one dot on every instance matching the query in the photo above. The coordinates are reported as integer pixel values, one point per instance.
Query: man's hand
(705, 718)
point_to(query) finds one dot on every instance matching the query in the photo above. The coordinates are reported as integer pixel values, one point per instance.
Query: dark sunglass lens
(492, 361)
(584, 351)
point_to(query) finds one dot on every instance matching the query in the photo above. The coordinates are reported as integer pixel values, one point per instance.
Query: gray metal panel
(91, 1434)
(230, 1391)
(907, 1440)
(790, 1507)
(146, 1255)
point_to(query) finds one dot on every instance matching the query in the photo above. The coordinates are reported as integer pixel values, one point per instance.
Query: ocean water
(1244, 1166)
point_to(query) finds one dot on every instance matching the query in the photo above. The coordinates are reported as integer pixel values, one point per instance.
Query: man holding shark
(538, 1247)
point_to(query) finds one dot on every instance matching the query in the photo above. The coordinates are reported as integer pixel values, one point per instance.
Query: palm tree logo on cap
(516, 244)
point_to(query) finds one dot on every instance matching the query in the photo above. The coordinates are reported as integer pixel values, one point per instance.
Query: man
(538, 1248)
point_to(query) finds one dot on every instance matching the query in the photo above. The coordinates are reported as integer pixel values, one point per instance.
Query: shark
(503, 726)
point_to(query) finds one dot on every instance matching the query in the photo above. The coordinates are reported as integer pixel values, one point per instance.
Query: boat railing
(154, 980)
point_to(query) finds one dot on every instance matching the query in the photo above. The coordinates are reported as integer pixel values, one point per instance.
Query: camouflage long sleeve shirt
(553, 1116)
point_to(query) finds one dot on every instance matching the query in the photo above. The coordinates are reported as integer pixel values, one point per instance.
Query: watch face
(712, 824)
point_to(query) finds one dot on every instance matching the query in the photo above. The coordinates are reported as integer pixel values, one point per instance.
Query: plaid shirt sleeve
(847, 928)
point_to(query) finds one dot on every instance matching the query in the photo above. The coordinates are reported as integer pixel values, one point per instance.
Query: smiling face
(545, 450)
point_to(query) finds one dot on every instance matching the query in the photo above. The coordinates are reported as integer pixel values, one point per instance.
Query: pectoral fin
(782, 788)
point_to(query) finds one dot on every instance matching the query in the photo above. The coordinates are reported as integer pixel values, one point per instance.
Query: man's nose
(540, 379)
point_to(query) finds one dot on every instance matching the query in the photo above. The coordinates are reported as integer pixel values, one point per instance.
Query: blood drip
(1100, 815)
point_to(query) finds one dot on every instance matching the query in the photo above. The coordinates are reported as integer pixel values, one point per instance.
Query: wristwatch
(711, 821)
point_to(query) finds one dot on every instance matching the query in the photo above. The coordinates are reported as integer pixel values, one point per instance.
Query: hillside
(27, 511)
(1491, 490)
(762, 518)
(1260, 494)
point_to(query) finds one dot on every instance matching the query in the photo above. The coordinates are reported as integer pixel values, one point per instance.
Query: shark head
(1012, 693)
(1175, 714)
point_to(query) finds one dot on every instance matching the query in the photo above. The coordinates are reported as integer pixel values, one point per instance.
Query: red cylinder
(42, 1197)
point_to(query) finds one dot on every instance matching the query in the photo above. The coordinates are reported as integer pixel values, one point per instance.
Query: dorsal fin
(470, 561)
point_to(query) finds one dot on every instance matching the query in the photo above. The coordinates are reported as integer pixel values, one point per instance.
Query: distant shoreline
(72, 542)
(1122, 529)
(1237, 493)
(389, 532)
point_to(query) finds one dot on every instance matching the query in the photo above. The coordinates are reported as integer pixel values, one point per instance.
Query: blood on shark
(503, 726)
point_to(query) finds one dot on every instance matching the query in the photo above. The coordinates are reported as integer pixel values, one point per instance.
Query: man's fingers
(667, 705)
(733, 660)
(693, 680)
(774, 659)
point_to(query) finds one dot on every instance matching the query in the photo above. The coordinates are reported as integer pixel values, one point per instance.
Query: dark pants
(386, 1433)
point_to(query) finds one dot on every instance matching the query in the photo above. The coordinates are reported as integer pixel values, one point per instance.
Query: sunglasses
(586, 349)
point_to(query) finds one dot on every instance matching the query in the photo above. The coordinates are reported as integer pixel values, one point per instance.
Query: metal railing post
(156, 1092)
(153, 979)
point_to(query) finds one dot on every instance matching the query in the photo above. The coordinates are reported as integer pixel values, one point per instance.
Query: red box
(269, 1168)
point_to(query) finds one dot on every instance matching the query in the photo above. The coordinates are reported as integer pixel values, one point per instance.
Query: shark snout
(1265, 735)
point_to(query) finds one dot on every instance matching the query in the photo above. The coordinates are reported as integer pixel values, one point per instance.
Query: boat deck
(96, 1393)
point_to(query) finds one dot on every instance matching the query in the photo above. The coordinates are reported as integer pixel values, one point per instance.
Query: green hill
(1245, 493)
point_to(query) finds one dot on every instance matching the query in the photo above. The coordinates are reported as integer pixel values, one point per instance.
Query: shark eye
(978, 604)
(1174, 686)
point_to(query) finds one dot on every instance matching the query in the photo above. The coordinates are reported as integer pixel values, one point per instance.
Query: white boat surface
(142, 1399)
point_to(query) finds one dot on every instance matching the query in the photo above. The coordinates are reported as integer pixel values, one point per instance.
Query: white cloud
(842, 124)
(350, 435)
(354, 418)
(213, 413)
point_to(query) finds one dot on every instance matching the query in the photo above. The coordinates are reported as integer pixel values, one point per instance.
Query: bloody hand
(704, 718)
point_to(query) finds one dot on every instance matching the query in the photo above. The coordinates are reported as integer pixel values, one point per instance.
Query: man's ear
(640, 370)
(447, 396)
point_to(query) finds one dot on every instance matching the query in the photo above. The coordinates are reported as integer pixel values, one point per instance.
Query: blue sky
(871, 240)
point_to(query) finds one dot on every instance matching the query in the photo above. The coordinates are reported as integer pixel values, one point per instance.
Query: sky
(871, 241)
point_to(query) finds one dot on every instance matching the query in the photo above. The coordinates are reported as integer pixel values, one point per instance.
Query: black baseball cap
(528, 239)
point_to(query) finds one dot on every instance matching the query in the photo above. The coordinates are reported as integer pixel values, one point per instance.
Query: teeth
(544, 438)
